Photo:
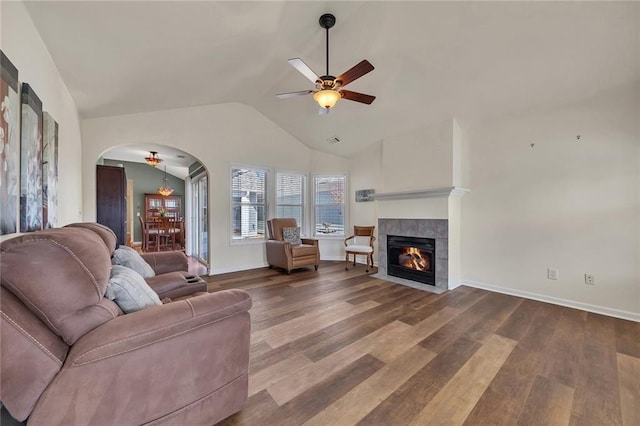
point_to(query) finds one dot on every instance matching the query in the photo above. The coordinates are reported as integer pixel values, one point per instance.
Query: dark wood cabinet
(111, 199)
(157, 205)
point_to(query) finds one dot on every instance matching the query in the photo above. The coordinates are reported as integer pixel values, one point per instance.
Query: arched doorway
(186, 178)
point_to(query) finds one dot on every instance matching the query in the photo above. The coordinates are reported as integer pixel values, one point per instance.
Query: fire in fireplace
(411, 258)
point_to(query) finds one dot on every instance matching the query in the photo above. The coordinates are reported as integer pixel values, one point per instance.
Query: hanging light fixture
(327, 98)
(153, 159)
(165, 190)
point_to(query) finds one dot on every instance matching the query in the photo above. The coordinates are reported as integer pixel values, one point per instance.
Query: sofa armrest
(310, 241)
(166, 261)
(142, 366)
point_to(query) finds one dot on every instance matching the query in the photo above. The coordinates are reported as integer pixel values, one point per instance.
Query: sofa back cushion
(61, 275)
(104, 232)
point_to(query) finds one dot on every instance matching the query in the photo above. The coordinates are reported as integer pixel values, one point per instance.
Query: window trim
(305, 202)
(313, 205)
(236, 241)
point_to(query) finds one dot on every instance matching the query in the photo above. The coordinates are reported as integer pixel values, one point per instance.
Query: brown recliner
(68, 355)
(288, 256)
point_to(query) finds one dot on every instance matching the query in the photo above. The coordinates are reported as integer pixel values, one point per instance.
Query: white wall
(428, 158)
(566, 204)
(21, 43)
(218, 136)
(421, 159)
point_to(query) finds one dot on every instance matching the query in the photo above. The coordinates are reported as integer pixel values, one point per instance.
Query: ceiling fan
(329, 89)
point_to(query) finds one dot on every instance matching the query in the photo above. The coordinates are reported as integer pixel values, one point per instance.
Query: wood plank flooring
(337, 347)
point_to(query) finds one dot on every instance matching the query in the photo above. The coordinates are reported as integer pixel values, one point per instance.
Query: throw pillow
(292, 234)
(129, 290)
(126, 256)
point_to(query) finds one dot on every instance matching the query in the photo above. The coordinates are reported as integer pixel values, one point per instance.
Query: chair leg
(367, 270)
(346, 262)
(354, 260)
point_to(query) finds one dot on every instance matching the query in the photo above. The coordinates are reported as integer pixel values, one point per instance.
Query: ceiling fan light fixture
(153, 159)
(327, 98)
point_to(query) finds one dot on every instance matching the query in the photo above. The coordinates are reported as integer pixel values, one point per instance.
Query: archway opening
(184, 205)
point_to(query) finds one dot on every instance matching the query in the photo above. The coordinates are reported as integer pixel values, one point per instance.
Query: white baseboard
(617, 313)
(216, 271)
(341, 259)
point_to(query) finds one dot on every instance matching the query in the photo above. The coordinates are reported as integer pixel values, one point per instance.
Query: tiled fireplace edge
(437, 229)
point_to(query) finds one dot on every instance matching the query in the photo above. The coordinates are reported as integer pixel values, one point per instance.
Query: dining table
(163, 233)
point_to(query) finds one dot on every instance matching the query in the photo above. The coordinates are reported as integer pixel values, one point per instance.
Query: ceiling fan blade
(323, 111)
(358, 97)
(304, 69)
(356, 72)
(293, 94)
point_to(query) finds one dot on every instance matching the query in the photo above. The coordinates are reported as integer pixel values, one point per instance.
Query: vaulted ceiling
(433, 60)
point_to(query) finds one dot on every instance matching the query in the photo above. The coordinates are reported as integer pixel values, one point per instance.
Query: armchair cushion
(129, 290)
(292, 235)
(303, 250)
(126, 256)
(355, 248)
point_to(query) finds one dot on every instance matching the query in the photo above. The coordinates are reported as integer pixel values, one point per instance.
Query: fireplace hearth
(412, 258)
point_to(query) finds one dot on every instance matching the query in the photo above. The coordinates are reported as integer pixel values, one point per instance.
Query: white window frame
(345, 205)
(259, 240)
(305, 182)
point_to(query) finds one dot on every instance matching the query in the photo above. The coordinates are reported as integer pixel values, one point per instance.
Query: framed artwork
(9, 145)
(364, 195)
(31, 161)
(49, 172)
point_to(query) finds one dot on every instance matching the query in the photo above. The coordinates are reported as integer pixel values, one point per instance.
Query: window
(290, 196)
(248, 203)
(329, 204)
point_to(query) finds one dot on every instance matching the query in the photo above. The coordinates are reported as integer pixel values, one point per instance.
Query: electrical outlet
(589, 279)
(553, 273)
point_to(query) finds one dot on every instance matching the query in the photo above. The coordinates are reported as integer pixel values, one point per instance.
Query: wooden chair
(360, 243)
(149, 234)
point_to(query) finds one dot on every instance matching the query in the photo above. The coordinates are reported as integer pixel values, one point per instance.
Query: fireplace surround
(435, 229)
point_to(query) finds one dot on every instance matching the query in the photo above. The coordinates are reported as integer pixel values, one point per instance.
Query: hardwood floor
(338, 347)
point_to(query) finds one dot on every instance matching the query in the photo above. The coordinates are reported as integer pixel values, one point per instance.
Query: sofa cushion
(129, 290)
(126, 256)
(61, 276)
(291, 234)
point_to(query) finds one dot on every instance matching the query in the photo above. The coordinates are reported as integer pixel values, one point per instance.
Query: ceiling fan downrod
(327, 21)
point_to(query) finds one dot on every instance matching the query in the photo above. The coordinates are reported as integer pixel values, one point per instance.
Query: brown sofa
(285, 255)
(172, 278)
(68, 355)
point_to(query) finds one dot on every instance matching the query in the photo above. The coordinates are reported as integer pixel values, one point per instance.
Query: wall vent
(333, 140)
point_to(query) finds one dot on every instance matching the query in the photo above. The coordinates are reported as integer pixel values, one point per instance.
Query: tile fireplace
(418, 254)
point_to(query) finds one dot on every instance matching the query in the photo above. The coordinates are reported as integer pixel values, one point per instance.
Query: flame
(412, 258)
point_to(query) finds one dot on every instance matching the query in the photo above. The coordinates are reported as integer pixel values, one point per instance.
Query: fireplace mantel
(422, 193)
